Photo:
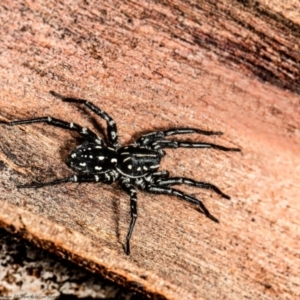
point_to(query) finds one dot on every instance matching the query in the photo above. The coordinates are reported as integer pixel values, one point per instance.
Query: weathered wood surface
(231, 66)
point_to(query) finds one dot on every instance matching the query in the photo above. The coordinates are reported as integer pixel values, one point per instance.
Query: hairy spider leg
(188, 181)
(186, 144)
(130, 190)
(179, 194)
(102, 177)
(84, 132)
(156, 135)
(112, 132)
(161, 174)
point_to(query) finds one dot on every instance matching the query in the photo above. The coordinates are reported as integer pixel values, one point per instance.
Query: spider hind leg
(104, 178)
(111, 124)
(84, 132)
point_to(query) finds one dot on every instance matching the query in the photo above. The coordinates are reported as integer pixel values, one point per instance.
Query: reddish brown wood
(228, 66)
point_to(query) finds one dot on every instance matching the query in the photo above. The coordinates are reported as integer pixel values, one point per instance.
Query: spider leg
(157, 135)
(181, 180)
(179, 194)
(160, 174)
(130, 190)
(111, 124)
(84, 132)
(186, 144)
(104, 178)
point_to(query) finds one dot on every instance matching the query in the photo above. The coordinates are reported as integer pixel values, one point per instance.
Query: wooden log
(230, 66)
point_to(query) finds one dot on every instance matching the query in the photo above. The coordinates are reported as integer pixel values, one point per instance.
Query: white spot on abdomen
(113, 134)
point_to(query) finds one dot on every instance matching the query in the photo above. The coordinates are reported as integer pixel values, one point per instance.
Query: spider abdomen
(91, 158)
(134, 161)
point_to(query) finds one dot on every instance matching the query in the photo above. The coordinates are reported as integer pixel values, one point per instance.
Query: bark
(230, 66)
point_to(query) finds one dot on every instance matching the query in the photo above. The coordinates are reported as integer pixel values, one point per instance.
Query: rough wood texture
(231, 66)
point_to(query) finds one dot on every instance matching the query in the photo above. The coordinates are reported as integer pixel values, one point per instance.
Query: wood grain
(230, 66)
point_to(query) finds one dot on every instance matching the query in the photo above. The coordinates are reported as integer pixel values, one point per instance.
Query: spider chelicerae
(135, 165)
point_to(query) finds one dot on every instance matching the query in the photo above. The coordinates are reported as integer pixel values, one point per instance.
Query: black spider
(133, 165)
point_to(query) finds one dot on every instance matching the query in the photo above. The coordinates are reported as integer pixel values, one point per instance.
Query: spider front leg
(130, 190)
(159, 175)
(111, 124)
(104, 178)
(157, 145)
(188, 181)
(170, 191)
(151, 137)
(84, 132)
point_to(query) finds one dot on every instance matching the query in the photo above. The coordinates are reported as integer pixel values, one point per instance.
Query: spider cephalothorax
(135, 165)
